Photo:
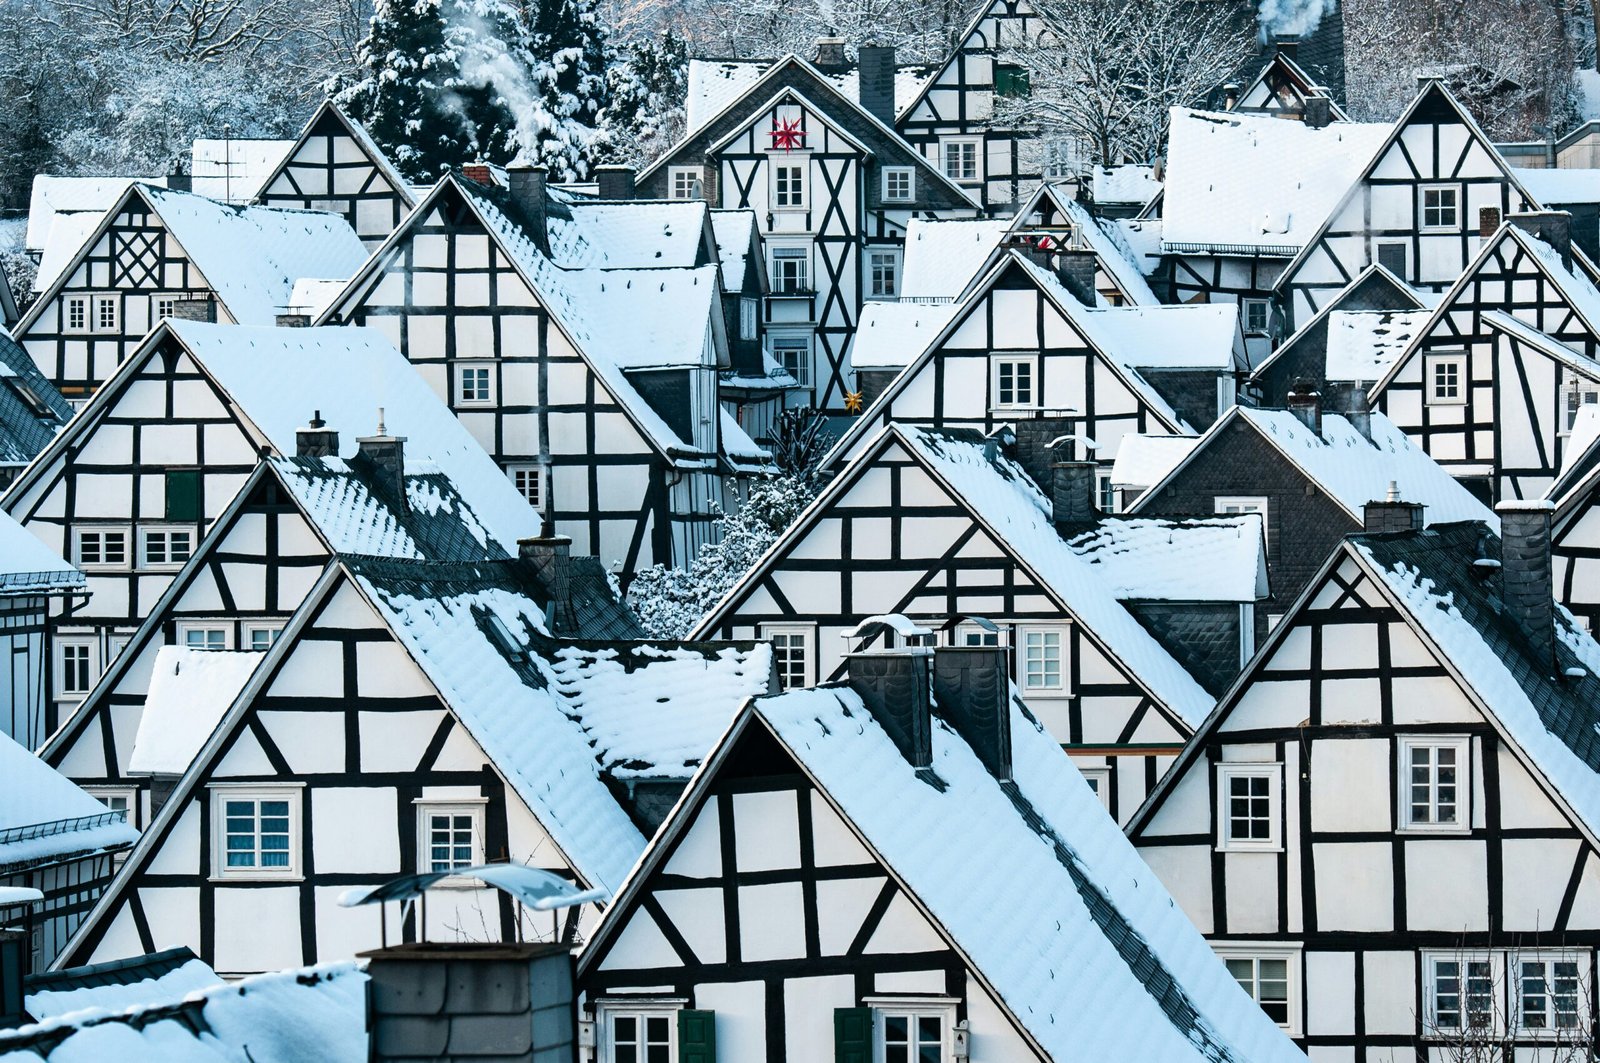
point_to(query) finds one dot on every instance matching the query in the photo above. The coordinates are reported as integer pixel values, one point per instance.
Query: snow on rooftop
(1145, 460)
(1217, 559)
(67, 234)
(171, 987)
(1182, 336)
(312, 295)
(44, 815)
(892, 335)
(1561, 185)
(1576, 286)
(1124, 184)
(1363, 345)
(26, 564)
(190, 691)
(1246, 180)
(1141, 239)
(734, 230)
(638, 234)
(55, 197)
(942, 257)
(233, 171)
(715, 83)
(1117, 256)
(1585, 432)
(1046, 884)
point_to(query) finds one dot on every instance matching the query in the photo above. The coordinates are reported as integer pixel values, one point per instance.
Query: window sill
(1439, 230)
(1433, 832)
(91, 569)
(475, 404)
(257, 877)
(1236, 848)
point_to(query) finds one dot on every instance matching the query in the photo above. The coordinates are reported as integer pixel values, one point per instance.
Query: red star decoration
(787, 135)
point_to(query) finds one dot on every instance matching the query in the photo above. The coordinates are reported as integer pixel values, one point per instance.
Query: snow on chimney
(1305, 402)
(1392, 514)
(830, 51)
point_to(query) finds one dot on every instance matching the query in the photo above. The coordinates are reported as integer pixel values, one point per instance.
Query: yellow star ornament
(852, 402)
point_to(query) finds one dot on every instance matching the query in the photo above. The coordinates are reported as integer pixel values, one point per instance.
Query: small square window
(789, 186)
(883, 274)
(164, 306)
(1012, 81)
(449, 836)
(1043, 660)
(473, 387)
(1255, 315)
(1446, 379)
(791, 654)
(685, 182)
(165, 547)
(1435, 783)
(529, 482)
(1014, 382)
(100, 548)
(203, 636)
(1248, 799)
(898, 182)
(960, 159)
(913, 1030)
(76, 665)
(257, 831)
(1441, 208)
(260, 637)
(638, 1031)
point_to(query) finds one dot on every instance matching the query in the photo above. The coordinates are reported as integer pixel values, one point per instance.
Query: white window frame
(1462, 745)
(1575, 387)
(1098, 777)
(472, 807)
(790, 252)
(808, 647)
(1001, 358)
(1255, 952)
(129, 795)
(964, 632)
(1105, 492)
(961, 177)
(461, 371)
(794, 343)
(681, 181)
(162, 307)
(891, 177)
(523, 474)
(128, 547)
(88, 642)
(1025, 635)
(220, 793)
(1422, 207)
(749, 318)
(798, 192)
(1265, 306)
(1236, 505)
(892, 255)
(1430, 389)
(1430, 998)
(1515, 986)
(188, 627)
(274, 630)
(914, 1007)
(92, 304)
(80, 302)
(1227, 772)
(146, 531)
(640, 1008)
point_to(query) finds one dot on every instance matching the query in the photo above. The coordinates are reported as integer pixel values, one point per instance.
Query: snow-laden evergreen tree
(562, 129)
(648, 88)
(438, 83)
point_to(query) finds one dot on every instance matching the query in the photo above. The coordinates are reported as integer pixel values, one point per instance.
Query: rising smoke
(1292, 17)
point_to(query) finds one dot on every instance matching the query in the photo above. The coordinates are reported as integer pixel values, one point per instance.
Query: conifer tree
(571, 43)
(648, 90)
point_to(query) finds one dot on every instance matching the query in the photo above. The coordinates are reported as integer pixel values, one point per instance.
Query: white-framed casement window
(1575, 395)
(449, 836)
(260, 637)
(529, 482)
(103, 547)
(791, 269)
(1435, 776)
(204, 635)
(1255, 315)
(77, 664)
(165, 546)
(1439, 208)
(1105, 492)
(162, 307)
(123, 799)
(960, 158)
(1536, 994)
(1270, 976)
(256, 831)
(748, 318)
(1044, 658)
(90, 312)
(791, 653)
(1249, 797)
(898, 184)
(1551, 991)
(643, 1030)
(1445, 379)
(789, 185)
(1014, 381)
(1099, 780)
(913, 1029)
(883, 273)
(684, 182)
(1233, 505)
(1460, 993)
(973, 635)
(474, 384)
(794, 354)
(1393, 255)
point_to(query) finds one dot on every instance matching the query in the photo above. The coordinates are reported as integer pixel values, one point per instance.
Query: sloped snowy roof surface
(162, 978)
(734, 230)
(1363, 344)
(1217, 559)
(284, 1017)
(1144, 461)
(44, 815)
(1117, 256)
(1576, 285)
(891, 335)
(55, 197)
(638, 234)
(1242, 180)
(26, 564)
(1183, 336)
(942, 257)
(68, 233)
(715, 83)
(1124, 184)
(1559, 185)
(233, 171)
(190, 692)
(1048, 900)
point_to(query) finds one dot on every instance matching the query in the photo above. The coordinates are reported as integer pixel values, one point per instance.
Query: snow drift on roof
(170, 987)
(1216, 559)
(1124, 184)
(734, 230)
(1144, 461)
(942, 257)
(190, 691)
(1363, 344)
(26, 564)
(715, 83)
(63, 818)
(68, 233)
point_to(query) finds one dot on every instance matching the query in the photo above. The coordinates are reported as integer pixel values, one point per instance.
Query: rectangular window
(100, 548)
(1441, 208)
(203, 636)
(1011, 80)
(1042, 659)
(960, 159)
(791, 654)
(638, 1032)
(1446, 379)
(684, 182)
(450, 836)
(1270, 976)
(883, 274)
(105, 312)
(1107, 493)
(123, 799)
(1248, 798)
(1461, 993)
(747, 319)
(898, 184)
(1433, 784)
(75, 313)
(912, 1030)
(789, 186)
(164, 306)
(1392, 255)
(165, 547)
(791, 270)
(472, 385)
(529, 482)
(260, 637)
(794, 354)
(75, 665)
(1099, 780)
(1256, 315)
(973, 635)
(1013, 382)
(1578, 394)
(1550, 993)
(257, 831)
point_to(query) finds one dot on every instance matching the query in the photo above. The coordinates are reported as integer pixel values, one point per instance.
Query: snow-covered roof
(149, 981)
(28, 566)
(1143, 460)
(190, 691)
(284, 1017)
(1141, 237)
(67, 235)
(1253, 181)
(891, 335)
(1217, 559)
(1179, 336)
(1045, 883)
(313, 295)
(734, 230)
(1559, 186)
(56, 197)
(233, 171)
(1576, 285)
(637, 234)
(942, 256)
(1117, 257)
(1363, 344)
(44, 816)
(715, 83)
(1124, 184)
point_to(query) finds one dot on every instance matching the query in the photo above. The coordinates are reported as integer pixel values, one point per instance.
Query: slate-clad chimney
(875, 78)
(973, 692)
(1033, 438)
(894, 688)
(528, 193)
(614, 182)
(1073, 485)
(316, 439)
(1077, 272)
(1488, 222)
(1360, 412)
(1318, 112)
(385, 456)
(201, 309)
(551, 558)
(1526, 582)
(1554, 227)
(1305, 402)
(179, 179)
(1393, 514)
(830, 51)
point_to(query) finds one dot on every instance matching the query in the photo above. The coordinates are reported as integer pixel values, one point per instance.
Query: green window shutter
(1011, 80)
(697, 1036)
(183, 495)
(852, 1035)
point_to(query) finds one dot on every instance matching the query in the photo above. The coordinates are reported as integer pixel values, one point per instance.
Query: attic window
(1012, 81)
(1440, 207)
(501, 635)
(897, 184)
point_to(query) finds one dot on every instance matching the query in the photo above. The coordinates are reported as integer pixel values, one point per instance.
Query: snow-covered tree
(570, 41)
(648, 88)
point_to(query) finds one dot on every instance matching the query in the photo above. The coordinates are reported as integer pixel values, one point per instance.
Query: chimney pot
(894, 688)
(1392, 514)
(614, 182)
(1319, 112)
(1230, 95)
(1526, 581)
(316, 439)
(972, 687)
(1488, 222)
(1305, 402)
(528, 193)
(875, 65)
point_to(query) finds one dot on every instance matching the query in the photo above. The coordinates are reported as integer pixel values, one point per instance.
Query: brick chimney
(894, 688)
(385, 456)
(1526, 582)
(551, 559)
(875, 79)
(1305, 402)
(528, 193)
(830, 51)
(1488, 222)
(1554, 227)
(971, 685)
(1318, 112)
(1032, 439)
(614, 182)
(1392, 514)
(316, 439)
(478, 172)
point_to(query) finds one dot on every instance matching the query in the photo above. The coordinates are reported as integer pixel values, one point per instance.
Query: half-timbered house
(1283, 89)
(1414, 205)
(132, 484)
(1309, 473)
(56, 839)
(31, 577)
(413, 716)
(1115, 628)
(334, 166)
(1575, 525)
(581, 344)
(858, 874)
(1492, 383)
(1388, 826)
(158, 254)
(832, 186)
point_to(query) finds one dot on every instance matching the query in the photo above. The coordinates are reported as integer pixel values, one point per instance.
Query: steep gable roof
(55, 197)
(32, 411)
(715, 83)
(1114, 254)
(1284, 71)
(330, 118)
